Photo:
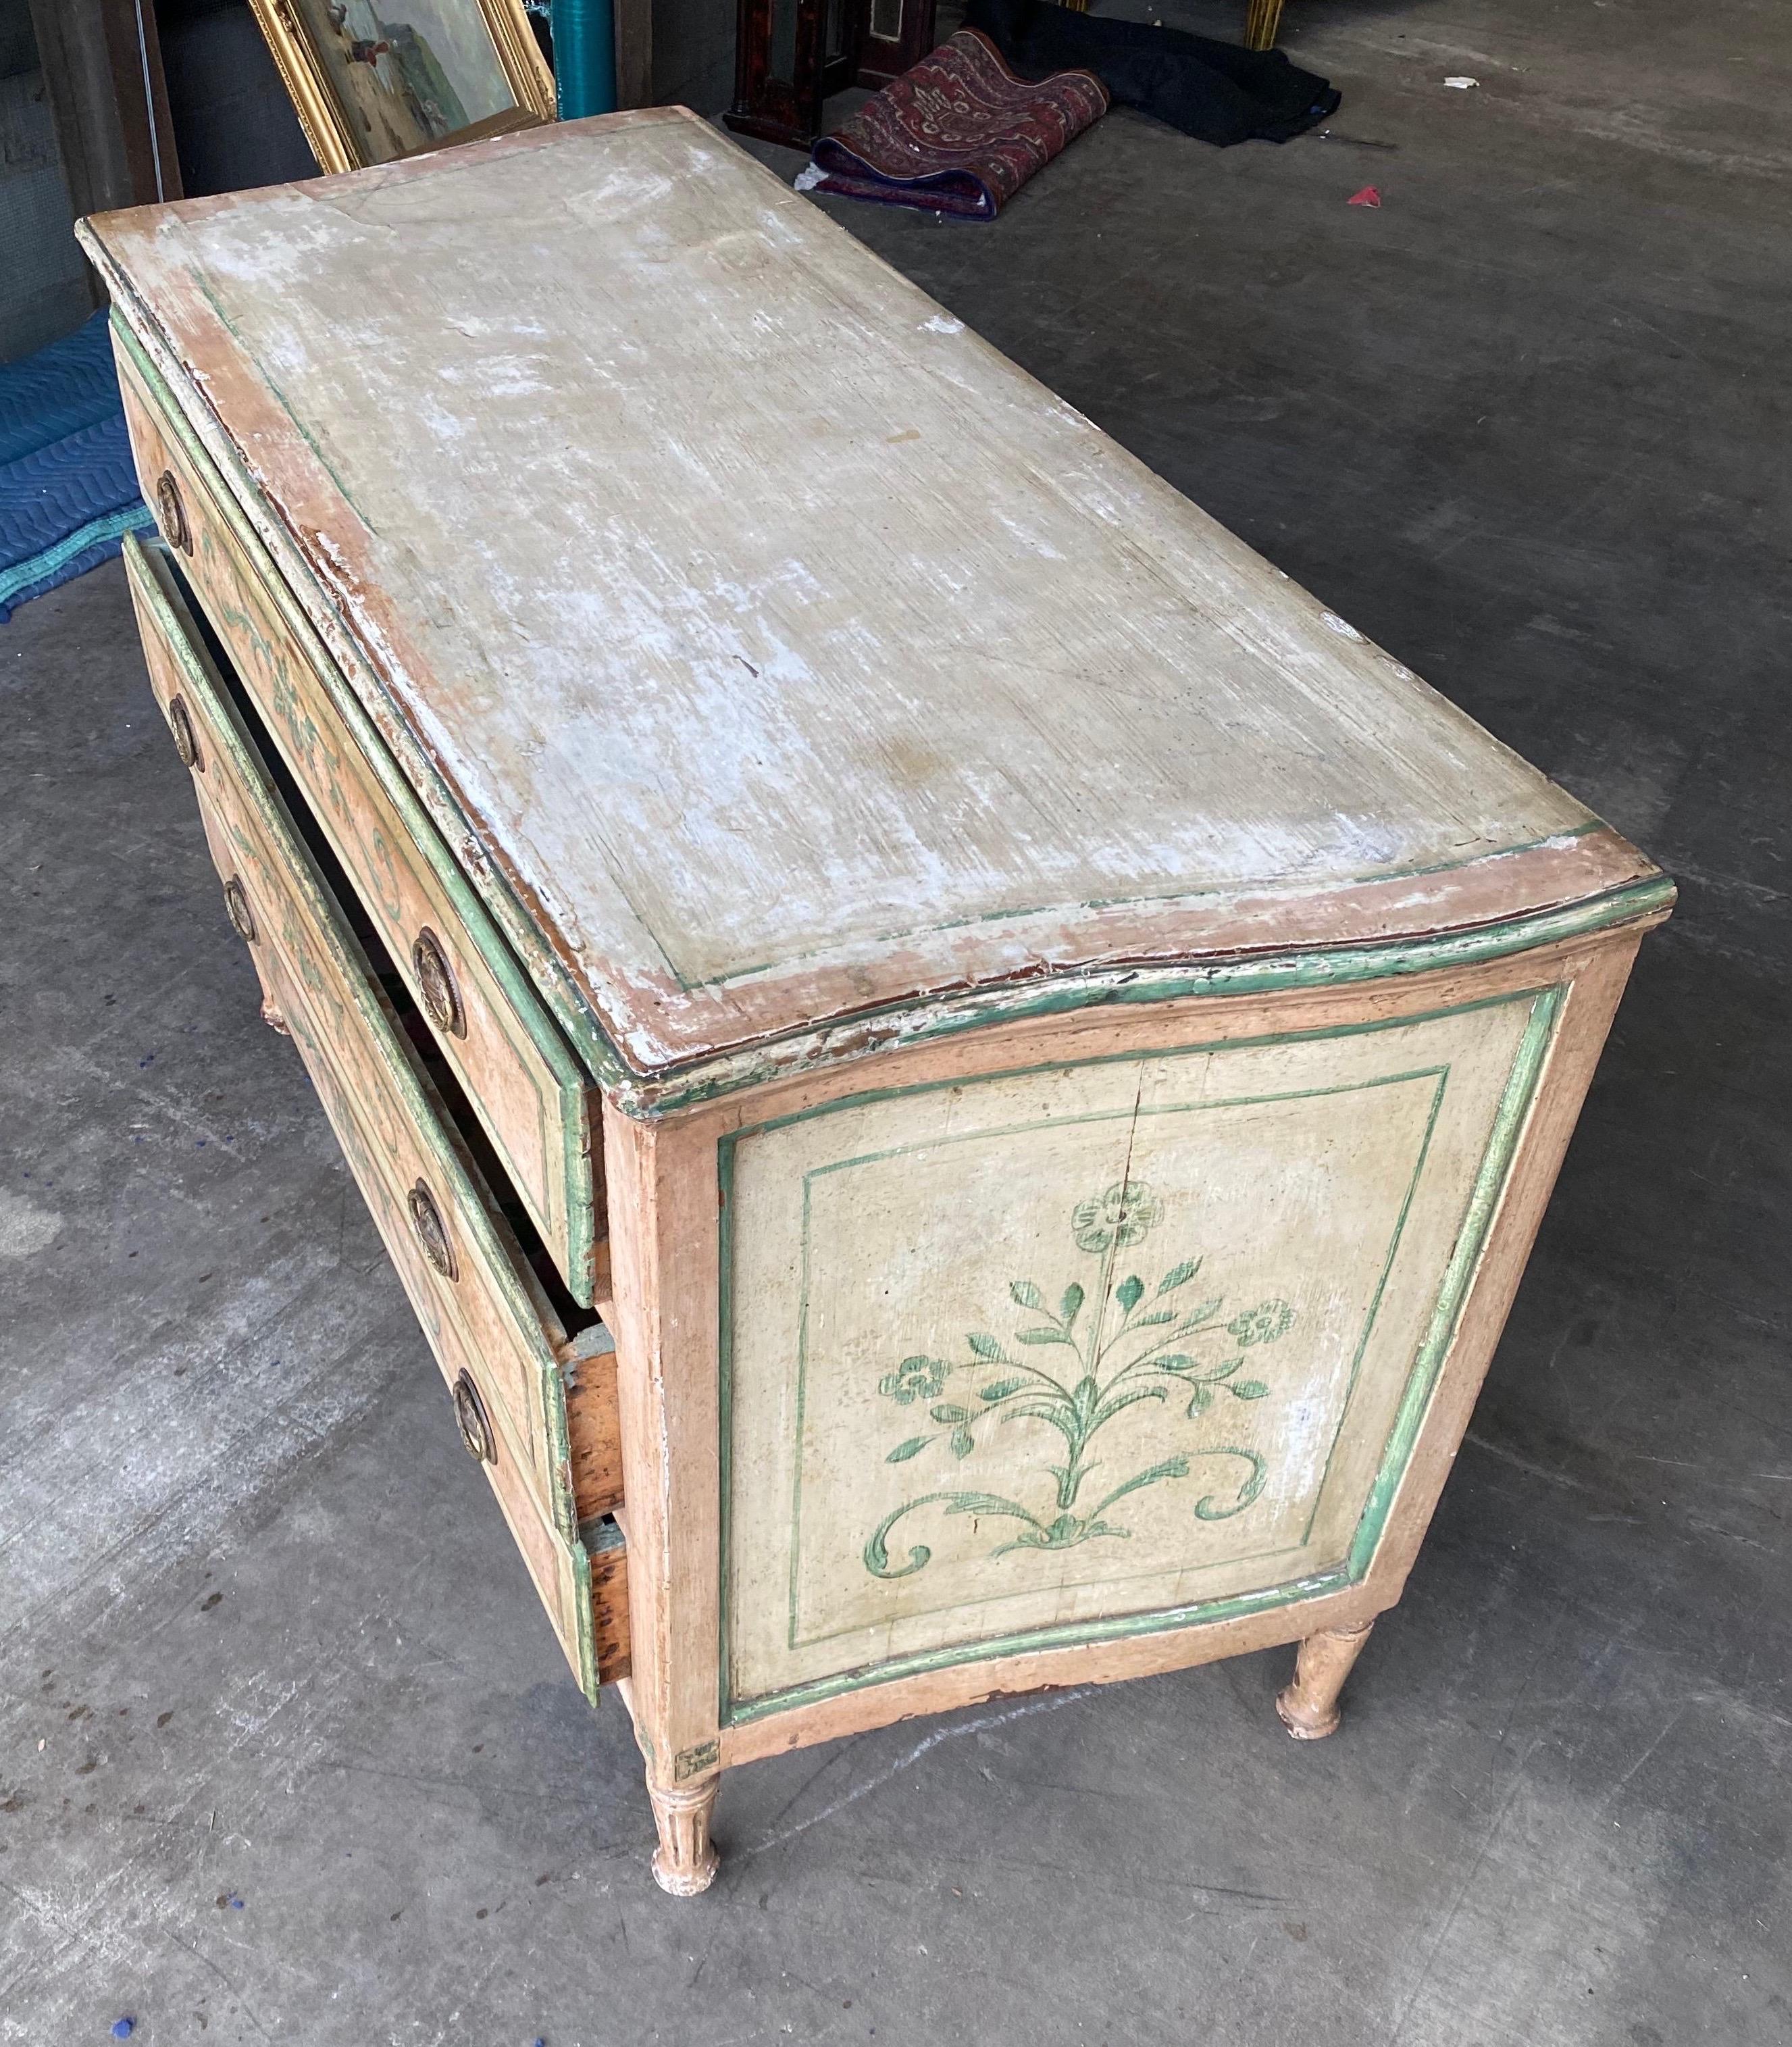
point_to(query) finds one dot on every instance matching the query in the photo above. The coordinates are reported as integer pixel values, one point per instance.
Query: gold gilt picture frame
(374, 80)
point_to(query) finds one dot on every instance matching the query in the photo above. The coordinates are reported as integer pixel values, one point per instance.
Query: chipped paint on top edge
(913, 1024)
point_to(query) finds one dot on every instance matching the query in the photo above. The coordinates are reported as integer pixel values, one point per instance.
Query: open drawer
(532, 1378)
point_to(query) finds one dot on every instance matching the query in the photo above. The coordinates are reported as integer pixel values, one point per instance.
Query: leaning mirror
(375, 80)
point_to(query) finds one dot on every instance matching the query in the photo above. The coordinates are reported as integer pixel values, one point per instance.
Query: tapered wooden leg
(1309, 1706)
(1261, 23)
(684, 1863)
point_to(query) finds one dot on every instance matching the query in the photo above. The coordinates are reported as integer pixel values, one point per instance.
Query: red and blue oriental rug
(959, 133)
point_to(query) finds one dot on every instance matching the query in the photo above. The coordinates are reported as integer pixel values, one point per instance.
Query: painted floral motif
(1112, 1346)
(915, 1379)
(1263, 1324)
(1124, 1216)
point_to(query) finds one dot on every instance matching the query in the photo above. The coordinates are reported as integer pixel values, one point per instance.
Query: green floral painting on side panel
(1070, 1370)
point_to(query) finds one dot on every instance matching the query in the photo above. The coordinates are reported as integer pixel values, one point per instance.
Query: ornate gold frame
(320, 113)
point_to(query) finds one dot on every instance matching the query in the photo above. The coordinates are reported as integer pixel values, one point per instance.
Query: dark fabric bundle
(1213, 92)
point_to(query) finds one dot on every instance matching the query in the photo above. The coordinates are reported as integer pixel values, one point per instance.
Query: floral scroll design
(1113, 1345)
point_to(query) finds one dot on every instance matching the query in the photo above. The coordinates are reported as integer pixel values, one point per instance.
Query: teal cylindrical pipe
(584, 56)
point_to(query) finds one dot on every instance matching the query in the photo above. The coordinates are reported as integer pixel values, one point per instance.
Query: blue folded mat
(68, 487)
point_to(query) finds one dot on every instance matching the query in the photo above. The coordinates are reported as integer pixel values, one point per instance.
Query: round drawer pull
(475, 1423)
(436, 985)
(242, 918)
(185, 740)
(171, 510)
(432, 1232)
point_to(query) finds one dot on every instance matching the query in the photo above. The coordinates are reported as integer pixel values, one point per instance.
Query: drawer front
(489, 1329)
(535, 1103)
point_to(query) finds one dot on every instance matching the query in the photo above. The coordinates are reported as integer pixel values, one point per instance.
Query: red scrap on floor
(1367, 196)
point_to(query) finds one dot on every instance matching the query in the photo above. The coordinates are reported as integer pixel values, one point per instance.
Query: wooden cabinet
(960, 1074)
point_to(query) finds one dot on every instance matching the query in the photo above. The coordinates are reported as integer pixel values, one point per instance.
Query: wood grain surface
(787, 652)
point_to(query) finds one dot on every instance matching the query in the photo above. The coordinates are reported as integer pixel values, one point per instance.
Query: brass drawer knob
(436, 986)
(432, 1232)
(171, 510)
(475, 1423)
(186, 740)
(242, 918)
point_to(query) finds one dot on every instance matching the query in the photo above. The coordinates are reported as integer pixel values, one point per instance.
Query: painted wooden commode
(960, 1075)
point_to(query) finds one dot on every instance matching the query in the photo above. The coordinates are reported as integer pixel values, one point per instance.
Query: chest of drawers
(960, 1076)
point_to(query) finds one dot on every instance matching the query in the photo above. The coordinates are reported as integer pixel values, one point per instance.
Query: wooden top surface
(787, 651)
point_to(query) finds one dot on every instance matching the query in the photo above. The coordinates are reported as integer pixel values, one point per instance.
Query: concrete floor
(286, 1751)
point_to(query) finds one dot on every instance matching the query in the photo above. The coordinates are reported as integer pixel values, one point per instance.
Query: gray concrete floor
(286, 1752)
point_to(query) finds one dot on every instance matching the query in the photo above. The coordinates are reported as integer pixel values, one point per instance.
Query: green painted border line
(725, 1412)
(1067, 1634)
(1375, 1305)
(1322, 1033)
(1509, 1121)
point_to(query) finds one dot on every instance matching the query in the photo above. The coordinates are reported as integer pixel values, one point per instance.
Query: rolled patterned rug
(959, 133)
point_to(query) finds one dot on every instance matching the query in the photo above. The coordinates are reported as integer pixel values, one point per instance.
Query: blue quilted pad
(67, 488)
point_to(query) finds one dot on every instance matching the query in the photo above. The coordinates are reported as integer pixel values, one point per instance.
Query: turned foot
(684, 1863)
(272, 1017)
(1309, 1706)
